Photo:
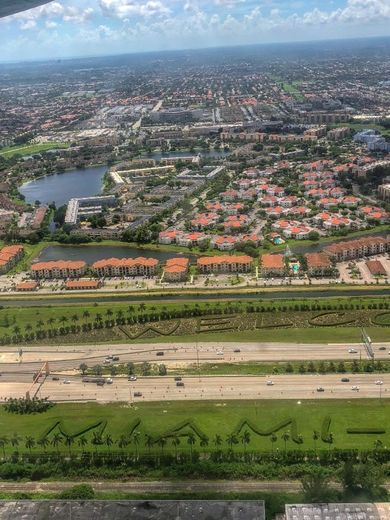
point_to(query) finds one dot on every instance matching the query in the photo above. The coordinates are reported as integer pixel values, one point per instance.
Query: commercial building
(58, 269)
(125, 267)
(9, 257)
(176, 269)
(272, 265)
(376, 268)
(352, 249)
(384, 192)
(358, 511)
(225, 264)
(87, 206)
(82, 285)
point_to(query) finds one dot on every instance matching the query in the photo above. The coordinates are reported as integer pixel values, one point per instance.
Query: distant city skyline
(71, 28)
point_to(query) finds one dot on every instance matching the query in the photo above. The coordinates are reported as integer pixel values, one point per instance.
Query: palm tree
(28, 327)
(69, 441)
(162, 442)
(231, 439)
(191, 441)
(316, 436)
(3, 443)
(15, 439)
(30, 443)
(285, 437)
(16, 330)
(378, 444)
(245, 439)
(86, 314)
(40, 324)
(149, 442)
(217, 441)
(273, 438)
(75, 318)
(82, 442)
(175, 443)
(56, 441)
(43, 442)
(108, 441)
(63, 319)
(123, 442)
(136, 440)
(50, 321)
(204, 442)
(109, 312)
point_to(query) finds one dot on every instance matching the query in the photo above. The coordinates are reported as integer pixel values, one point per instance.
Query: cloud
(125, 9)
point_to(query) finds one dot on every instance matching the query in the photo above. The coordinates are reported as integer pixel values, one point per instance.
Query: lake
(91, 254)
(61, 187)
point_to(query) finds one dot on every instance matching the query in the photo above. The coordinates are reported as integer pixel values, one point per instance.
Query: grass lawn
(299, 335)
(30, 149)
(212, 418)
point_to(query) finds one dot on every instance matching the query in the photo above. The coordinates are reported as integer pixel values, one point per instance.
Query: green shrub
(79, 492)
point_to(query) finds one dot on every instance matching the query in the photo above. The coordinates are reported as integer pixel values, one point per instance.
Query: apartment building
(176, 269)
(9, 257)
(125, 267)
(318, 264)
(225, 264)
(272, 265)
(58, 269)
(352, 249)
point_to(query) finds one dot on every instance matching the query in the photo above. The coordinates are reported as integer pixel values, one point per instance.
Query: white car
(379, 382)
(220, 353)
(352, 351)
(270, 383)
(66, 382)
(355, 388)
(109, 381)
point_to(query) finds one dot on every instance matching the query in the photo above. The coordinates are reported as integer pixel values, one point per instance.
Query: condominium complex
(10, 256)
(87, 206)
(125, 267)
(352, 249)
(225, 264)
(272, 265)
(176, 269)
(58, 269)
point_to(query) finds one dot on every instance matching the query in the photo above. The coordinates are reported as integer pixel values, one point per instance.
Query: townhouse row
(9, 257)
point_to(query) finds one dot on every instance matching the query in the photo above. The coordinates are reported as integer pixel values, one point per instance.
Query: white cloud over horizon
(70, 27)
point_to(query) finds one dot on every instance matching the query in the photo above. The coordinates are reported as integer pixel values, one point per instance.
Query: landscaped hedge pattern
(246, 423)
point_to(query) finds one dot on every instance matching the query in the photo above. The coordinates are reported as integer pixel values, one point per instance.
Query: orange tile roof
(79, 284)
(376, 267)
(177, 265)
(269, 261)
(125, 262)
(58, 264)
(209, 260)
(26, 286)
(317, 260)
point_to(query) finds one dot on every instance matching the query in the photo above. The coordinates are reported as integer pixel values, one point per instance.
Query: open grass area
(30, 149)
(208, 419)
(331, 320)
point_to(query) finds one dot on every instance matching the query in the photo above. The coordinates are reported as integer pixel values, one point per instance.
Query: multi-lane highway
(209, 388)
(179, 354)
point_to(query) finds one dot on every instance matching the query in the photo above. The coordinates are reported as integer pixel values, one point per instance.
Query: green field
(208, 419)
(30, 149)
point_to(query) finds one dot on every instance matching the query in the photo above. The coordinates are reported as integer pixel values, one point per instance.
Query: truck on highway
(93, 379)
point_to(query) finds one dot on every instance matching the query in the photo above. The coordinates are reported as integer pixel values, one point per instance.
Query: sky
(67, 28)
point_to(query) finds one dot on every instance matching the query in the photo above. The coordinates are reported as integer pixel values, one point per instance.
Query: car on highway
(270, 383)
(379, 382)
(160, 353)
(109, 381)
(66, 382)
(179, 383)
(345, 379)
(177, 378)
(137, 394)
(107, 361)
(237, 350)
(115, 358)
(55, 378)
(320, 389)
(382, 348)
(220, 353)
(109, 357)
(132, 378)
(355, 388)
(100, 383)
(352, 351)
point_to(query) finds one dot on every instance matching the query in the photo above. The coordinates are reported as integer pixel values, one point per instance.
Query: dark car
(55, 378)
(382, 348)
(345, 379)
(179, 383)
(137, 394)
(237, 350)
(320, 389)
(160, 353)
(100, 383)
(115, 358)
(178, 378)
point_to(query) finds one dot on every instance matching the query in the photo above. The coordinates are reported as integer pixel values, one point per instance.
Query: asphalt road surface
(70, 357)
(207, 388)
